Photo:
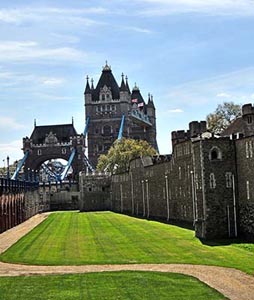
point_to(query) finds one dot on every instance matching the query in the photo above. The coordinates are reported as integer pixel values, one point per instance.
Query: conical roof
(107, 79)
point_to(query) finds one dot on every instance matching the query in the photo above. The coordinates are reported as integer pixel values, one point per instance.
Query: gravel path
(232, 283)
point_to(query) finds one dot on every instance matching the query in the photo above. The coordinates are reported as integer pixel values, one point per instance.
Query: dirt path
(232, 283)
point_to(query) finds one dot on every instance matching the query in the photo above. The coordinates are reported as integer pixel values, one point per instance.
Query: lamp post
(8, 167)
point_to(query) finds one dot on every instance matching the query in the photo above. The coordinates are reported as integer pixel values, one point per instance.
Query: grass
(107, 286)
(72, 238)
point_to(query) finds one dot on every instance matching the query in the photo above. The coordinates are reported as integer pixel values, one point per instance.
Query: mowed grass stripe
(73, 238)
(107, 286)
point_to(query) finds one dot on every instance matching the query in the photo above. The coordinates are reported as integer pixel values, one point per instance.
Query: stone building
(207, 182)
(105, 106)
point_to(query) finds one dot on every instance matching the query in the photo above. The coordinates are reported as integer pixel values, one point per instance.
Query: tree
(223, 115)
(118, 158)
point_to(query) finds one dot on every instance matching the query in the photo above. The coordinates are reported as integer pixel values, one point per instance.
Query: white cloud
(8, 123)
(12, 149)
(239, 85)
(52, 14)
(209, 7)
(52, 81)
(138, 29)
(30, 50)
(175, 111)
(223, 95)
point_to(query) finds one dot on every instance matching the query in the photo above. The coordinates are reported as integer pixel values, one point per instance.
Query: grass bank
(72, 238)
(107, 286)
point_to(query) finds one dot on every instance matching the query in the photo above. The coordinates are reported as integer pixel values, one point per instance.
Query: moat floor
(232, 283)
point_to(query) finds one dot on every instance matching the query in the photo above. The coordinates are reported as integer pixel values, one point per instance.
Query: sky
(191, 55)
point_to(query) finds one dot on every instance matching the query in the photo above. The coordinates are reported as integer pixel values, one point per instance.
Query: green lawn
(107, 286)
(72, 238)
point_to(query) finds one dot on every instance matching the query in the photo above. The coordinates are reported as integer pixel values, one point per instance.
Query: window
(64, 151)
(215, 154)
(103, 97)
(39, 152)
(180, 173)
(107, 130)
(228, 176)
(249, 119)
(248, 189)
(247, 149)
(212, 181)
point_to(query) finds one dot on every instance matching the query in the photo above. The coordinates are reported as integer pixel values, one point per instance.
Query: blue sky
(190, 54)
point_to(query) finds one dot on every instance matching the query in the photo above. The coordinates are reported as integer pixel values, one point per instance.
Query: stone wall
(245, 170)
(94, 192)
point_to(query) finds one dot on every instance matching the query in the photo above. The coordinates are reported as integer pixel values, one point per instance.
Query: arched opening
(215, 154)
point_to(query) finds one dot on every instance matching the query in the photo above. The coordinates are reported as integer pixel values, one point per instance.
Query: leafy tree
(223, 115)
(118, 158)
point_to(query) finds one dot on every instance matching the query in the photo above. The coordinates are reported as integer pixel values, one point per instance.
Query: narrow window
(39, 152)
(248, 189)
(212, 181)
(247, 149)
(250, 149)
(228, 176)
(249, 119)
(64, 151)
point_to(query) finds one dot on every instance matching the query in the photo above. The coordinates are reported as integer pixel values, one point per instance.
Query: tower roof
(107, 79)
(123, 87)
(136, 94)
(63, 132)
(87, 89)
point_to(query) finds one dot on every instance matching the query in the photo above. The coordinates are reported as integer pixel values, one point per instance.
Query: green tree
(118, 158)
(223, 115)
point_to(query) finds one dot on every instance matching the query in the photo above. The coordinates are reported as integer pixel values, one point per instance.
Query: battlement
(247, 109)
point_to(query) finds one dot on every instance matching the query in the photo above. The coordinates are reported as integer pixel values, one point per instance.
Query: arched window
(103, 97)
(215, 154)
(107, 130)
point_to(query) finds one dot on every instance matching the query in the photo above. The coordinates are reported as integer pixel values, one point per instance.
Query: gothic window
(248, 189)
(107, 130)
(247, 149)
(250, 149)
(215, 154)
(103, 97)
(108, 97)
(228, 176)
(39, 152)
(212, 181)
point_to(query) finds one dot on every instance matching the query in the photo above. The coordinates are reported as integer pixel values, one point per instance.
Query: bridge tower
(106, 104)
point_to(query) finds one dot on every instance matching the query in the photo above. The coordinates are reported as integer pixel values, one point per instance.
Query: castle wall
(216, 192)
(245, 167)
(94, 192)
(159, 188)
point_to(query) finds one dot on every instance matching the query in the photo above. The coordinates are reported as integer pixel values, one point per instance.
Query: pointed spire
(127, 85)
(72, 120)
(149, 97)
(92, 86)
(135, 87)
(123, 86)
(34, 123)
(87, 90)
(106, 67)
(150, 101)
